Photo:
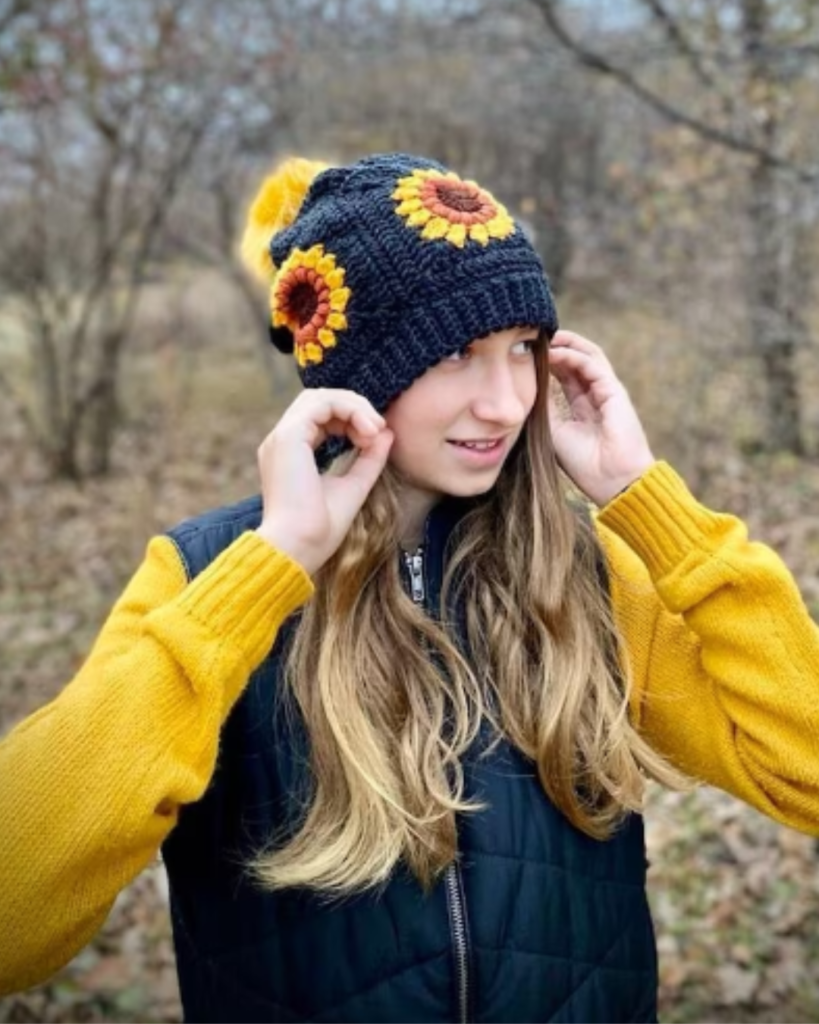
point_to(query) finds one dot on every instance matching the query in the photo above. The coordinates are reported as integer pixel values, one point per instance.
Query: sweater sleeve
(90, 785)
(723, 654)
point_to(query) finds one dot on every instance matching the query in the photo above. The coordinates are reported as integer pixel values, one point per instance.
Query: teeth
(480, 446)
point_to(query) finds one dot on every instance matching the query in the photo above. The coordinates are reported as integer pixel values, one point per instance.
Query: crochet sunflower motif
(446, 206)
(309, 298)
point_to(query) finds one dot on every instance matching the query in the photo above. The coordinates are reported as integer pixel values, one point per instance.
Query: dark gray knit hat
(392, 263)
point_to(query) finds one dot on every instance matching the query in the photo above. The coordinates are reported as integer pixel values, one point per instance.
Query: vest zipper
(456, 903)
(415, 564)
(457, 921)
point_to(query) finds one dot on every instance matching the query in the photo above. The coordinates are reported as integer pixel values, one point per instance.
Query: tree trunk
(62, 460)
(101, 423)
(554, 240)
(774, 335)
(773, 332)
(783, 418)
(102, 417)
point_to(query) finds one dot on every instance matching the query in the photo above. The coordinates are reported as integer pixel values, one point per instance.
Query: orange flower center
(458, 197)
(457, 201)
(303, 302)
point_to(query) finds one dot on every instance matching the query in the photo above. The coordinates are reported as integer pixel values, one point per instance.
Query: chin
(471, 489)
(467, 486)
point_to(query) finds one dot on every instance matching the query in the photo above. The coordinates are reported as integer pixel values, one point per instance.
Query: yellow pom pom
(275, 207)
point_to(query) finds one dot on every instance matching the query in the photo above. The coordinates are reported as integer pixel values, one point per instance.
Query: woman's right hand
(307, 514)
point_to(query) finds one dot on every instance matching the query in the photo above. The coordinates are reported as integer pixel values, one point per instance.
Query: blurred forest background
(664, 155)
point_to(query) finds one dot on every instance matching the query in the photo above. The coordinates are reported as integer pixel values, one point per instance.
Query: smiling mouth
(479, 446)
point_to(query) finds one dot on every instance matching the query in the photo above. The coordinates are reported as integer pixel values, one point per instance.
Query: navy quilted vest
(538, 922)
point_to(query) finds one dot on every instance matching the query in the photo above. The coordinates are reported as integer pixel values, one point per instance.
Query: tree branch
(600, 64)
(679, 41)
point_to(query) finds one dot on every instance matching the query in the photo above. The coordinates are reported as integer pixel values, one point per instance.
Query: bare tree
(739, 71)
(104, 116)
(128, 145)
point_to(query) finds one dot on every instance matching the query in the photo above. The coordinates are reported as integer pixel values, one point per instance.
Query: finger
(329, 403)
(367, 423)
(577, 352)
(318, 407)
(566, 373)
(585, 387)
(581, 408)
(580, 373)
(571, 340)
(593, 363)
(359, 429)
(370, 463)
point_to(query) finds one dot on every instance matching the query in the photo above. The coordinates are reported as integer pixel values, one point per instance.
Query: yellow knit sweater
(723, 654)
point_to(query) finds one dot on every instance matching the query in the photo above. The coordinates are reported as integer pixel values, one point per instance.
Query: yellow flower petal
(409, 206)
(338, 321)
(500, 227)
(325, 265)
(312, 352)
(300, 355)
(413, 208)
(419, 218)
(311, 259)
(479, 233)
(457, 235)
(327, 338)
(339, 298)
(436, 228)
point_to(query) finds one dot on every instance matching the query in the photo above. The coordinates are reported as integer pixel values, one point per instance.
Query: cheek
(414, 439)
(419, 429)
(530, 388)
(415, 416)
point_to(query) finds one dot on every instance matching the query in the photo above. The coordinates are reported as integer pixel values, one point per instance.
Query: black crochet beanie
(383, 267)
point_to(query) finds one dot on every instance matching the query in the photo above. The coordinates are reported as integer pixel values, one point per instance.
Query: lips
(479, 446)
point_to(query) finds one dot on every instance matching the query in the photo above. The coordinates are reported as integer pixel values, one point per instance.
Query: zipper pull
(415, 564)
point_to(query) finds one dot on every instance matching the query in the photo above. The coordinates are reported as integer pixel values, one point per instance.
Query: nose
(502, 395)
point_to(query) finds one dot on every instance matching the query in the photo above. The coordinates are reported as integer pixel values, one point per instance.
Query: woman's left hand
(602, 446)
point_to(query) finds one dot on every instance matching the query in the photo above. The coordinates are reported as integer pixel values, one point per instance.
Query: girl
(391, 721)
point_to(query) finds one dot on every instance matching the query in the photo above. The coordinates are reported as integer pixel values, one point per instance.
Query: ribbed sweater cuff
(661, 521)
(246, 593)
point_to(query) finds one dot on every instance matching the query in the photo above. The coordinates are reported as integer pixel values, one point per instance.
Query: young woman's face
(455, 426)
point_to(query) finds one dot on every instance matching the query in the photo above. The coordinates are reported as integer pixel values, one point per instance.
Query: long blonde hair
(391, 702)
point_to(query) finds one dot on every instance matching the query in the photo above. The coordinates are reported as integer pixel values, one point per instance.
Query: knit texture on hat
(393, 263)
